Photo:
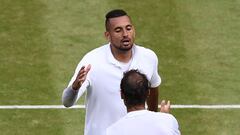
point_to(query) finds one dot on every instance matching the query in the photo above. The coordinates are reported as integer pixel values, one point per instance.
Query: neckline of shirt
(112, 60)
(136, 113)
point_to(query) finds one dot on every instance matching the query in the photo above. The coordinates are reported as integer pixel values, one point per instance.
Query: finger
(88, 68)
(81, 70)
(168, 106)
(168, 103)
(163, 103)
(85, 71)
(81, 80)
(82, 75)
(162, 109)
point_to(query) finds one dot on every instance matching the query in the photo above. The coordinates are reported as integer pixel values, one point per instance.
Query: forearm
(69, 96)
(152, 100)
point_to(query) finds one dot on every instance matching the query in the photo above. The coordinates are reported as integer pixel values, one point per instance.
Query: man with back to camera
(100, 72)
(139, 121)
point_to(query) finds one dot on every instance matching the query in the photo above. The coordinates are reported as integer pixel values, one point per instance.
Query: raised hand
(165, 107)
(81, 77)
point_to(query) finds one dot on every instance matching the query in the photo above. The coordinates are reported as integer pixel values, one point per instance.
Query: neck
(135, 108)
(122, 56)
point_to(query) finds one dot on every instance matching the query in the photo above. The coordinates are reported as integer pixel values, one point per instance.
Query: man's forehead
(120, 21)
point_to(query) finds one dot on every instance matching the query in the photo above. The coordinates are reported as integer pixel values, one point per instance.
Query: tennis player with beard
(100, 71)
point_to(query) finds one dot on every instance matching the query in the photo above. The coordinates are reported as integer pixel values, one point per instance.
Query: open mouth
(126, 41)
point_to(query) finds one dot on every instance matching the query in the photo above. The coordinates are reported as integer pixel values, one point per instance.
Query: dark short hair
(134, 86)
(112, 14)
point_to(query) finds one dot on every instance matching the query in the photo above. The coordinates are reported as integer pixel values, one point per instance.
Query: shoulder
(97, 51)
(172, 122)
(116, 128)
(169, 119)
(118, 123)
(145, 52)
(145, 56)
(95, 54)
(166, 115)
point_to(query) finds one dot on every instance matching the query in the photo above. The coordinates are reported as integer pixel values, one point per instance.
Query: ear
(107, 35)
(134, 32)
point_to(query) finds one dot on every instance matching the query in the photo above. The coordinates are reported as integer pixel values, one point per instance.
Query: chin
(126, 48)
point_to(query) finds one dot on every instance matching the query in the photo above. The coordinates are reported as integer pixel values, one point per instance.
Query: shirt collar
(111, 58)
(136, 113)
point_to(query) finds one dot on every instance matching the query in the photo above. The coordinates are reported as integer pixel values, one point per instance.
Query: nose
(125, 33)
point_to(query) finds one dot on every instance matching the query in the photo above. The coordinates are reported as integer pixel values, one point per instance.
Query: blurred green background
(42, 41)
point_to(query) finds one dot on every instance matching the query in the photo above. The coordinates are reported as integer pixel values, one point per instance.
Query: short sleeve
(155, 80)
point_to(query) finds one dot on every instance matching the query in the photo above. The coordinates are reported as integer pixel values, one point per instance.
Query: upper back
(145, 123)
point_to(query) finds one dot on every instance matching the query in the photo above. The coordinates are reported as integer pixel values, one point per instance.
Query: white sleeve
(155, 80)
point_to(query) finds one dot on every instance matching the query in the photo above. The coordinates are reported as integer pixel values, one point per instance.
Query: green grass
(197, 43)
(208, 121)
(41, 122)
(24, 51)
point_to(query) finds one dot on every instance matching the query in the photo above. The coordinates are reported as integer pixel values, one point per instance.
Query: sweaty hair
(112, 14)
(134, 86)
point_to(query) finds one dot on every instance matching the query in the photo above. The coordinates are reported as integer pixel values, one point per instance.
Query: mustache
(125, 40)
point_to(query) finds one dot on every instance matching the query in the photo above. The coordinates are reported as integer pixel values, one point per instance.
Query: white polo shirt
(145, 122)
(104, 105)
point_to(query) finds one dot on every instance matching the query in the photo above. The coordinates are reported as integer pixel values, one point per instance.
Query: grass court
(42, 41)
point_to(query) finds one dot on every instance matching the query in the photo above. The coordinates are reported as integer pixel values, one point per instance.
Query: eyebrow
(129, 25)
(119, 27)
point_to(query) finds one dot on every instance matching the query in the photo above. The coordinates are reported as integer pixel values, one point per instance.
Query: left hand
(165, 107)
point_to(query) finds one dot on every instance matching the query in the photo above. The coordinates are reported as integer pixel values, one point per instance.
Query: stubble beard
(123, 48)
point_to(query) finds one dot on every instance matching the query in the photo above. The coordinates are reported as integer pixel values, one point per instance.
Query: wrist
(75, 86)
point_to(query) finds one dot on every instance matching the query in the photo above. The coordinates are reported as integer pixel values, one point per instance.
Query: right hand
(81, 77)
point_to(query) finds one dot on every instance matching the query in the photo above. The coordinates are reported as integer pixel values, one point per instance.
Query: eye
(117, 30)
(129, 28)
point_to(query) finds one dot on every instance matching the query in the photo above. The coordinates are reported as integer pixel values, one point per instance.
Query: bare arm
(152, 100)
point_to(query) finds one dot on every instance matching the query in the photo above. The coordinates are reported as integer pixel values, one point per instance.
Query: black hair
(135, 87)
(112, 14)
